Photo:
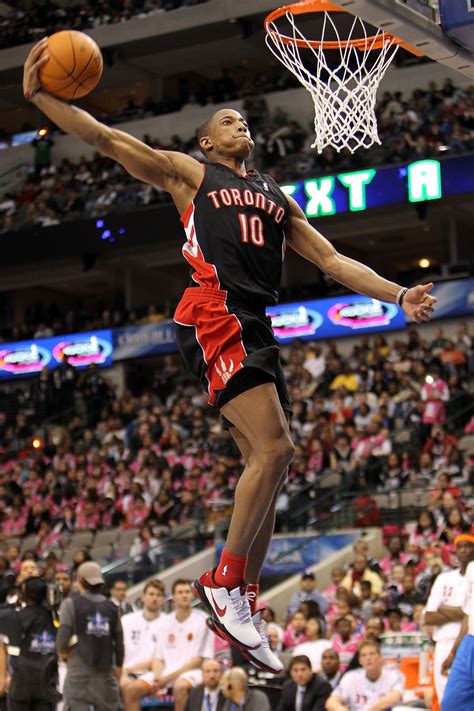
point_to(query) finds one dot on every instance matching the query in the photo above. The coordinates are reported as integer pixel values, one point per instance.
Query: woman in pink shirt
(295, 631)
(345, 642)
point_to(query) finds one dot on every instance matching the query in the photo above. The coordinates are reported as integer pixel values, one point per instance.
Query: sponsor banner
(295, 554)
(139, 341)
(330, 318)
(308, 320)
(455, 298)
(26, 358)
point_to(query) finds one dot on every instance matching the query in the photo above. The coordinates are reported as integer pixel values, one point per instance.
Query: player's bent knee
(181, 688)
(284, 453)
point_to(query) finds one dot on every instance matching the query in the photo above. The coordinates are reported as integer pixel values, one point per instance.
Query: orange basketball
(74, 66)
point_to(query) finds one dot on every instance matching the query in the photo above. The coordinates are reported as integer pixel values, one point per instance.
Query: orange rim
(302, 8)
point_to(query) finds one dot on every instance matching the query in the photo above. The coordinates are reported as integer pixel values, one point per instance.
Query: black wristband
(400, 296)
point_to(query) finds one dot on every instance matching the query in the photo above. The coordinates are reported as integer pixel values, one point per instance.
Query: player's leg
(134, 692)
(181, 689)
(259, 549)
(258, 415)
(262, 657)
(458, 695)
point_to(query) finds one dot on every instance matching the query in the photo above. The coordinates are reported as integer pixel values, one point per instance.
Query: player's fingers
(42, 60)
(36, 51)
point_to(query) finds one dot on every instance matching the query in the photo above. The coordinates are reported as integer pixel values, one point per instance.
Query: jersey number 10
(251, 229)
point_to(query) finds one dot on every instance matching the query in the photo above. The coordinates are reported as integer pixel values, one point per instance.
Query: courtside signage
(329, 318)
(323, 318)
(360, 190)
(24, 358)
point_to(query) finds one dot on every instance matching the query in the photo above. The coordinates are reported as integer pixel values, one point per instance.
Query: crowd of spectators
(432, 123)
(157, 460)
(325, 628)
(22, 25)
(46, 320)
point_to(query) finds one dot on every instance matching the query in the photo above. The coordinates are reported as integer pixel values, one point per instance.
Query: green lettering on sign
(288, 189)
(319, 193)
(424, 181)
(355, 183)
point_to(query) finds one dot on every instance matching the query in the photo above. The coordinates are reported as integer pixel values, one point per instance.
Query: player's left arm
(311, 245)
(386, 702)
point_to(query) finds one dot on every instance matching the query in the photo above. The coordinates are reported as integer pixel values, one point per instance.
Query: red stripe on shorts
(218, 332)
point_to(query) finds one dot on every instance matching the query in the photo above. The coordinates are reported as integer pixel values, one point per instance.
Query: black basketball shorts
(230, 349)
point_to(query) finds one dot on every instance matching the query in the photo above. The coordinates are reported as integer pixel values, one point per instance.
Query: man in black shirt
(30, 635)
(92, 624)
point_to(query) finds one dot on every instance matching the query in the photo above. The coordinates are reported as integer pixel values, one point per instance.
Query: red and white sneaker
(262, 657)
(230, 612)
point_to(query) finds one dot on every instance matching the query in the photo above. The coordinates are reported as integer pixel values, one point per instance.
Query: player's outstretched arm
(308, 242)
(175, 172)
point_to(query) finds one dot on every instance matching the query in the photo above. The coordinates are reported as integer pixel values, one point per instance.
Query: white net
(343, 81)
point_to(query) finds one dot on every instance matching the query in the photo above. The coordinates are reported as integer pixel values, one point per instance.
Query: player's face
(153, 599)
(301, 674)
(183, 596)
(465, 552)
(211, 674)
(370, 659)
(230, 135)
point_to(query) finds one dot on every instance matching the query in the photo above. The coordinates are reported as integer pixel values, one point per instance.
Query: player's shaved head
(207, 130)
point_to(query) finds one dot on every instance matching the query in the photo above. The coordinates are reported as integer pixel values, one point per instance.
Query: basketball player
(459, 692)
(237, 224)
(141, 632)
(444, 609)
(182, 645)
(371, 688)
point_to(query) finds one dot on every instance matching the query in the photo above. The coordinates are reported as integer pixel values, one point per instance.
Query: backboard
(418, 23)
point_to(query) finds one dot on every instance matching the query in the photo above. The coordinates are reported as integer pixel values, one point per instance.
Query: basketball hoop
(345, 73)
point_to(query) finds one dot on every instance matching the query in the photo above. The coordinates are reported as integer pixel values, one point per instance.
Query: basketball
(74, 67)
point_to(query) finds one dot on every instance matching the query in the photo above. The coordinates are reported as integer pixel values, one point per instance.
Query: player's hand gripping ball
(74, 66)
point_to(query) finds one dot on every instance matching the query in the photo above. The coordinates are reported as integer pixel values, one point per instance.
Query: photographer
(31, 635)
(90, 640)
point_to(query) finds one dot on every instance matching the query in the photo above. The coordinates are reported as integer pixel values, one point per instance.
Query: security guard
(90, 640)
(31, 637)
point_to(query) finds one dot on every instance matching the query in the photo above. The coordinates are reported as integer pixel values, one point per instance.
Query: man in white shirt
(184, 642)
(371, 688)
(141, 631)
(444, 609)
(459, 692)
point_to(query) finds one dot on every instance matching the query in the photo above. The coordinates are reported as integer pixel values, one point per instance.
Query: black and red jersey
(235, 234)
